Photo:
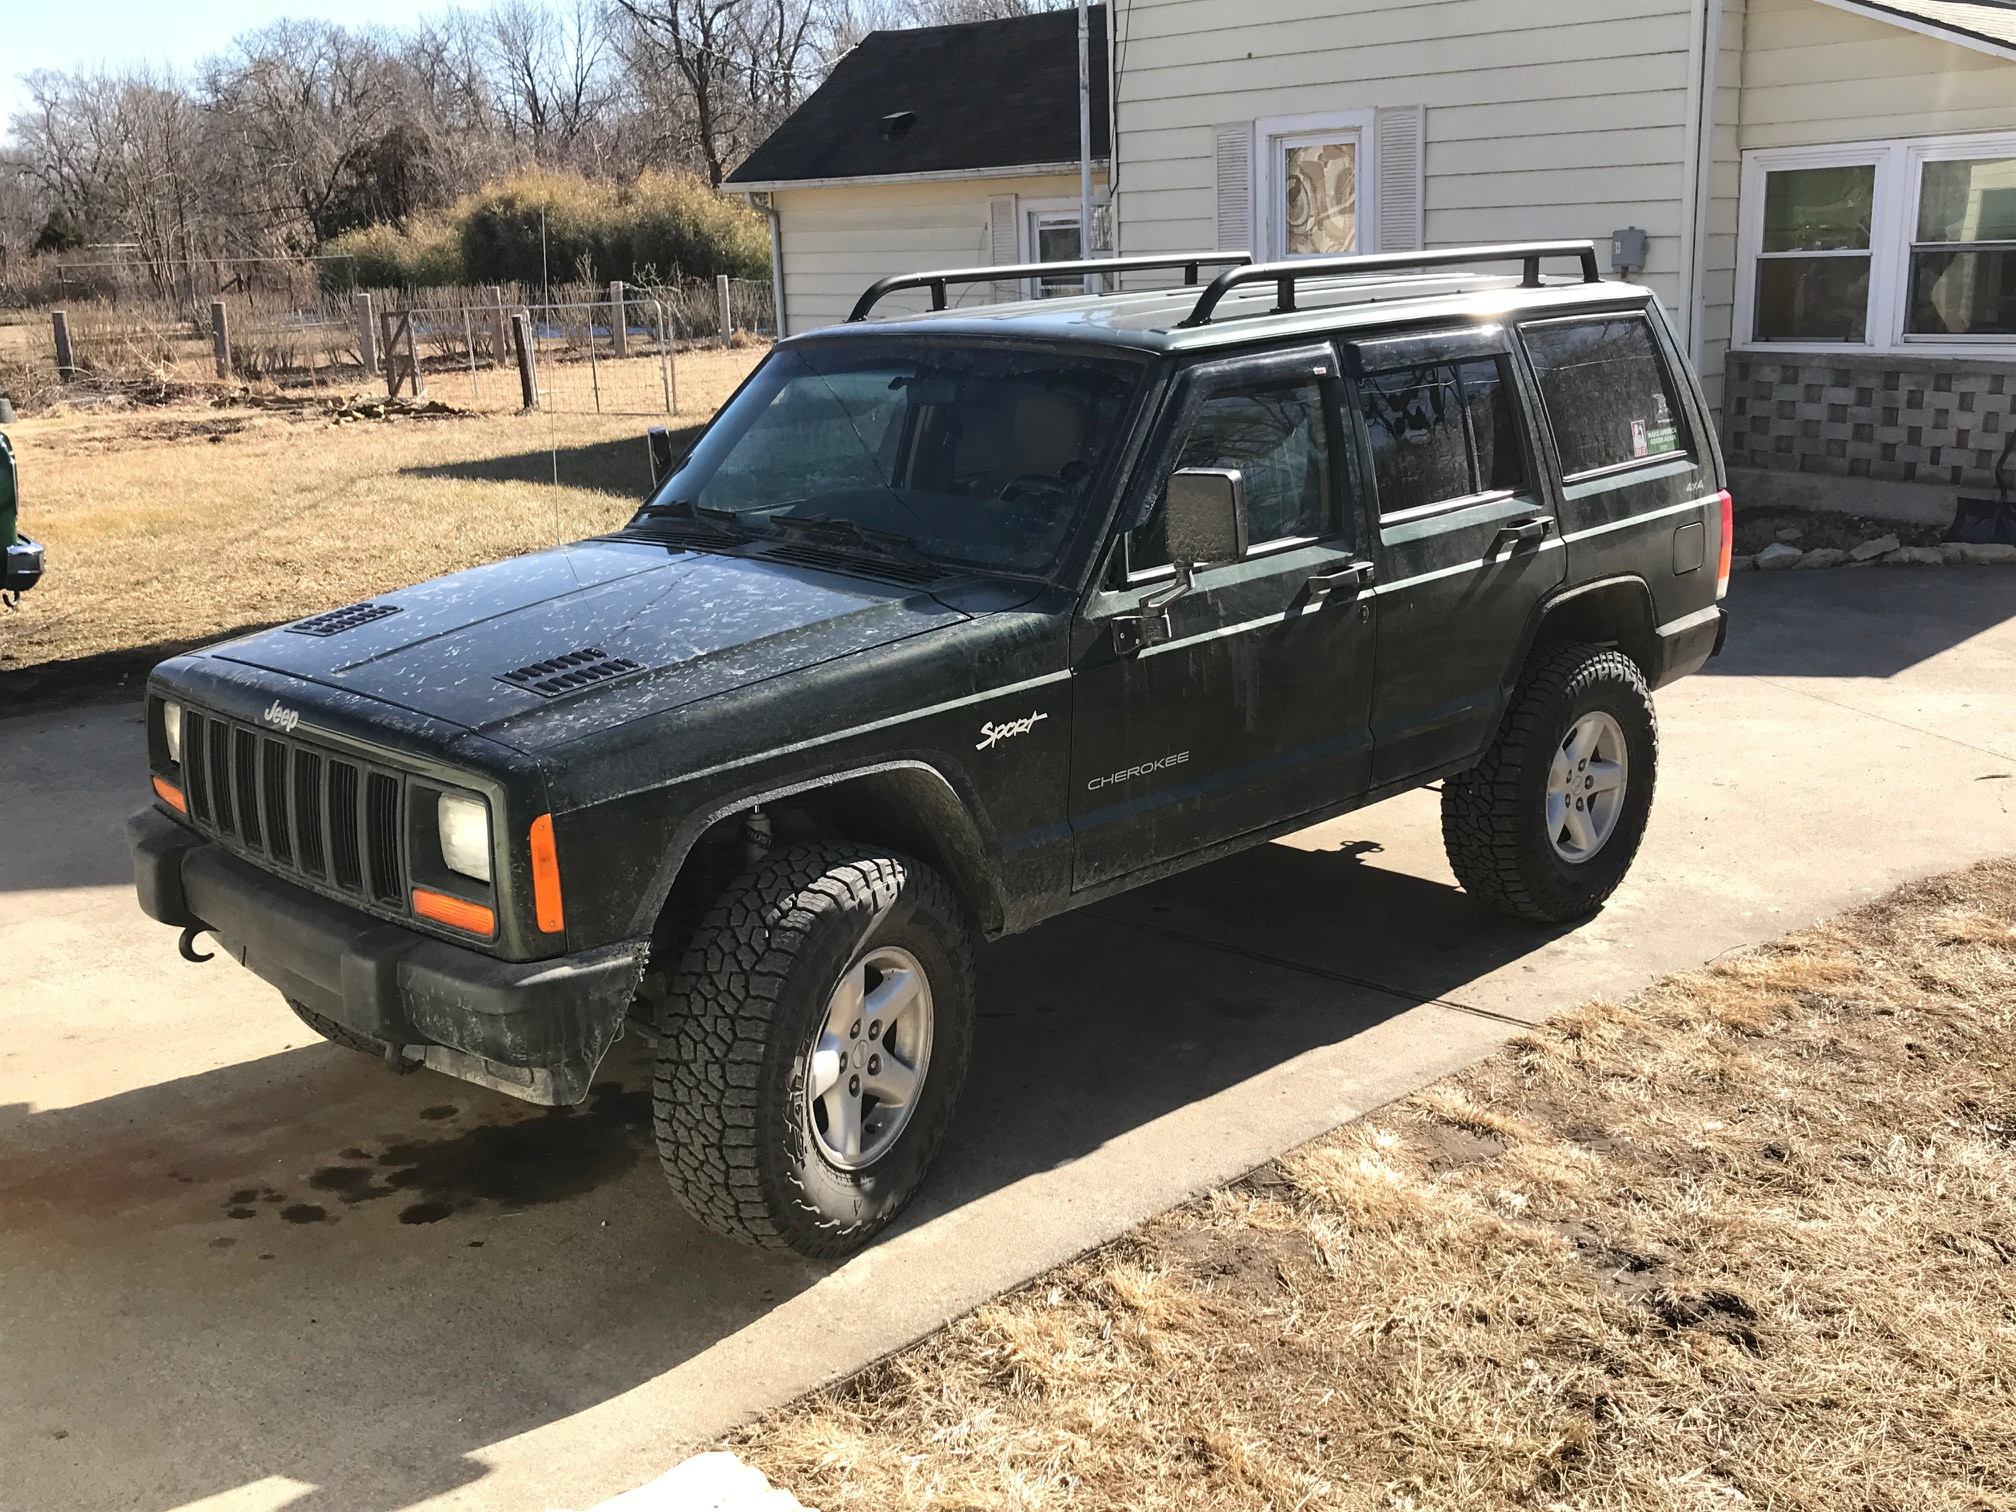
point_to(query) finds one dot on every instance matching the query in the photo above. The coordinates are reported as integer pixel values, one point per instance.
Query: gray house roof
(1988, 25)
(942, 100)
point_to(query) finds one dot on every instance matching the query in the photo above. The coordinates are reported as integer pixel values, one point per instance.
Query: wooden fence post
(528, 376)
(727, 314)
(220, 337)
(367, 335)
(66, 362)
(501, 353)
(619, 320)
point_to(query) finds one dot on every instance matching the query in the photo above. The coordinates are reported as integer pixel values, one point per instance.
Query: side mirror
(1204, 519)
(659, 440)
(1206, 516)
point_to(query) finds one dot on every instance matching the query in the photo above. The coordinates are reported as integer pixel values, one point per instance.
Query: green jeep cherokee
(949, 623)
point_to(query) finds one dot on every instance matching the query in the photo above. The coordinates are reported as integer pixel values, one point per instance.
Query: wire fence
(594, 349)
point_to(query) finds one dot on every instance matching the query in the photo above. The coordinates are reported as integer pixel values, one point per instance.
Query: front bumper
(535, 1029)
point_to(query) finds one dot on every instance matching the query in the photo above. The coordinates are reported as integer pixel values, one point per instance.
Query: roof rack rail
(1189, 262)
(1284, 274)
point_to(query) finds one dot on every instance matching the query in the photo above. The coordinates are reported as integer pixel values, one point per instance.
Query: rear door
(1255, 710)
(1467, 542)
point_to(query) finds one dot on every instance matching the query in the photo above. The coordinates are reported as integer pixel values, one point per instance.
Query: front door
(1467, 544)
(1255, 710)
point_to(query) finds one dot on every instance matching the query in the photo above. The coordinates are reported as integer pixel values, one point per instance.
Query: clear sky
(68, 35)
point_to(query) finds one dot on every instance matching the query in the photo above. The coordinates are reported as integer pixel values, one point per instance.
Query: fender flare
(954, 824)
(1631, 582)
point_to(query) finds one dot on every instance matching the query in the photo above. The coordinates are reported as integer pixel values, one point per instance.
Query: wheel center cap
(860, 1056)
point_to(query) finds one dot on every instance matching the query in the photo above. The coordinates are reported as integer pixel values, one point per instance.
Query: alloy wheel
(869, 1065)
(1585, 787)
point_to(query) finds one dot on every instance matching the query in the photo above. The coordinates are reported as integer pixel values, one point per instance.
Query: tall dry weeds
(1747, 1240)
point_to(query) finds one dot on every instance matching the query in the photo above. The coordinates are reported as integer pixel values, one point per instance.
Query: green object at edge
(8, 492)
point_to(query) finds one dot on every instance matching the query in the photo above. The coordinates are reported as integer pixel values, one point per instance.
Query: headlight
(465, 836)
(171, 727)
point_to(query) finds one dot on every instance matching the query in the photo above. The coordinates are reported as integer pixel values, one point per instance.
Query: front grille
(298, 808)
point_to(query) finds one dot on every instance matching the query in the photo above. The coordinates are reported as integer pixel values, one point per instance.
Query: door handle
(1523, 532)
(1354, 575)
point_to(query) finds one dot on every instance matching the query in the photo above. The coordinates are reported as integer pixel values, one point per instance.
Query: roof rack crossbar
(936, 281)
(1283, 275)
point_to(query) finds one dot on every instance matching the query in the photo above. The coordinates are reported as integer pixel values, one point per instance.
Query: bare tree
(550, 76)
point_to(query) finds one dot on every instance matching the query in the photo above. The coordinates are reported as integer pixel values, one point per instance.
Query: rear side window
(1607, 392)
(1441, 431)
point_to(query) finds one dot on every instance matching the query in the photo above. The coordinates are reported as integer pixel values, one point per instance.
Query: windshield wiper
(846, 535)
(724, 523)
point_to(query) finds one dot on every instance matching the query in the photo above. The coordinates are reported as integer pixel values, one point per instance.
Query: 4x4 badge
(280, 718)
(993, 734)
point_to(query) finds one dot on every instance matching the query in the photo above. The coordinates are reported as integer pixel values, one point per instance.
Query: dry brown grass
(169, 525)
(1749, 1240)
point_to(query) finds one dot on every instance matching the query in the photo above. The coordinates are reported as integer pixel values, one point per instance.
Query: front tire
(1547, 824)
(812, 1047)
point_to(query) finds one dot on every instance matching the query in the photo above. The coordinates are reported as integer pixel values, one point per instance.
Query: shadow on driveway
(306, 1266)
(1873, 622)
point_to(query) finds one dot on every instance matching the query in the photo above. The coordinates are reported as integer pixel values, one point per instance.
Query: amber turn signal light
(171, 795)
(456, 913)
(546, 877)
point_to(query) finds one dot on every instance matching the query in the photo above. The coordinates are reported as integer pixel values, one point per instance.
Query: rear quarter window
(1608, 394)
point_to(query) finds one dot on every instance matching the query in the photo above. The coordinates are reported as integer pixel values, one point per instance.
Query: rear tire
(748, 1139)
(1523, 829)
(335, 1033)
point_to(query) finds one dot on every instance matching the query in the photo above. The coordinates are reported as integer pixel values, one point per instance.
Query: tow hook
(187, 945)
(401, 1064)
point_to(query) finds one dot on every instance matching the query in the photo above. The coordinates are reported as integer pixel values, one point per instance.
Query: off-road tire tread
(1484, 828)
(715, 1029)
(335, 1033)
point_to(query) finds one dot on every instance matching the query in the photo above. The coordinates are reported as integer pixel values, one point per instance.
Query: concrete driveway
(212, 1295)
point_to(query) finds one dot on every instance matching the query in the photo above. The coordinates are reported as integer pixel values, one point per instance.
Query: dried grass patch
(170, 525)
(1747, 1240)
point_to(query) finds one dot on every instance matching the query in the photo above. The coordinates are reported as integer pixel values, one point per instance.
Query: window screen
(1606, 389)
(1276, 435)
(1441, 431)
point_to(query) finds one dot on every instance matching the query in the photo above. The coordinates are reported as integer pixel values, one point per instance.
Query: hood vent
(571, 672)
(336, 621)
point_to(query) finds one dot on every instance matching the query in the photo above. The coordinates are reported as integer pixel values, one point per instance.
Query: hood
(590, 634)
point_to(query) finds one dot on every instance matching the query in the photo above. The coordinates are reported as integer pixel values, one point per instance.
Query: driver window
(1277, 436)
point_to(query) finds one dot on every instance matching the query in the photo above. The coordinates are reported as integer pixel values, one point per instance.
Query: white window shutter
(1235, 188)
(1004, 240)
(1398, 138)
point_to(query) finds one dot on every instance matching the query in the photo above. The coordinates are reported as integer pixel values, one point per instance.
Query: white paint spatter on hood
(717, 1482)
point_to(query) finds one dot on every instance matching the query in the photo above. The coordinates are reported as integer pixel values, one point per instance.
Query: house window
(1054, 237)
(1880, 245)
(1963, 258)
(1813, 266)
(1311, 171)
(1319, 195)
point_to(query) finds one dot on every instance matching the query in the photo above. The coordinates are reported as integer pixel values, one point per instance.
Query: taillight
(546, 877)
(1728, 542)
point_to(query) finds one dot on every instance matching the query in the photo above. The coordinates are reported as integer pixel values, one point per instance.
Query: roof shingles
(985, 94)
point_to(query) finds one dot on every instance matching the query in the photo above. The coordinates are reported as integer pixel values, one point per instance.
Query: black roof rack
(1284, 274)
(1189, 262)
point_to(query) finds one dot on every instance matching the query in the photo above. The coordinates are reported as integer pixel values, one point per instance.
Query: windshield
(975, 457)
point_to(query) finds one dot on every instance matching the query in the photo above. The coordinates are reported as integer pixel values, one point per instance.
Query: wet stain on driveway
(522, 1161)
